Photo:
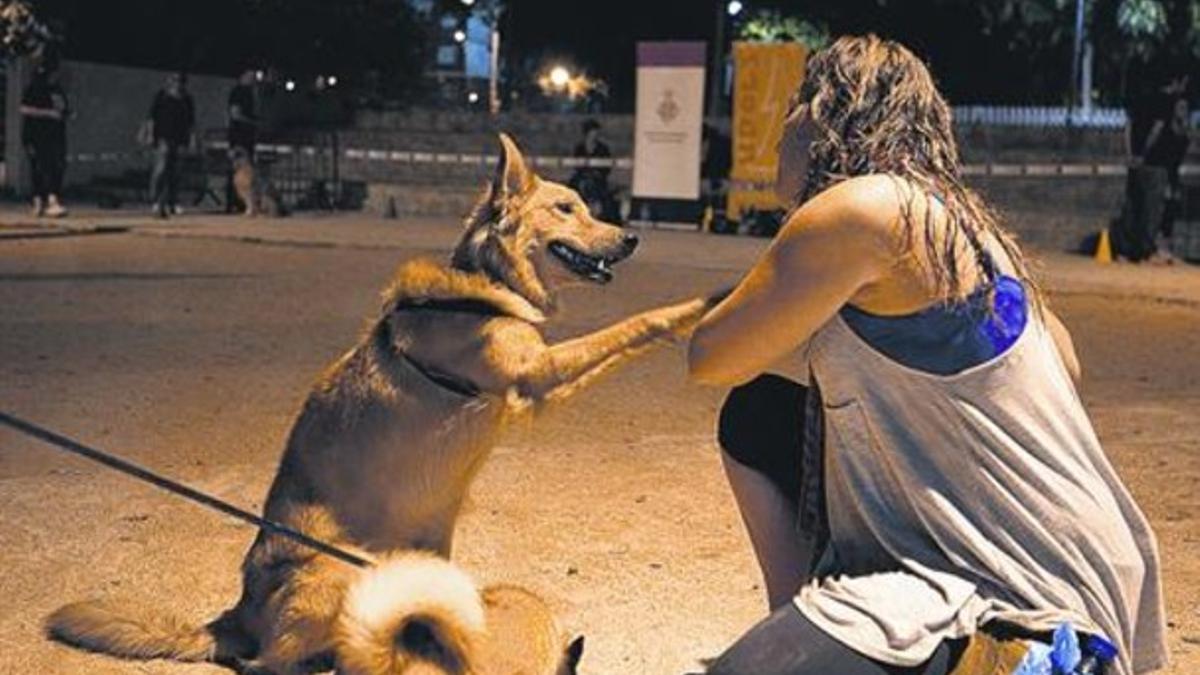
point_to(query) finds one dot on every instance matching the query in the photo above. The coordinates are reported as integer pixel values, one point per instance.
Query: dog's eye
(565, 207)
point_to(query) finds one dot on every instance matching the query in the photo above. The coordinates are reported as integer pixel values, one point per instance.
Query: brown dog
(258, 195)
(388, 442)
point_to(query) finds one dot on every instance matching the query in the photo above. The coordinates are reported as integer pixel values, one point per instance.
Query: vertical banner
(670, 111)
(765, 77)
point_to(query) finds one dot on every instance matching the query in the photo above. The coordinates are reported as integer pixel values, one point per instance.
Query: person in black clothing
(243, 122)
(44, 111)
(172, 121)
(1156, 140)
(1165, 147)
(591, 182)
(243, 126)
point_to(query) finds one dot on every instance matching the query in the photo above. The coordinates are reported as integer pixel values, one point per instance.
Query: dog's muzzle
(592, 267)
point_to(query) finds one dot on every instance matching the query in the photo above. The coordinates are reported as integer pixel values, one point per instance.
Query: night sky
(597, 36)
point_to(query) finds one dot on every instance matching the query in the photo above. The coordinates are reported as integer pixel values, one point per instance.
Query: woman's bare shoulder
(863, 208)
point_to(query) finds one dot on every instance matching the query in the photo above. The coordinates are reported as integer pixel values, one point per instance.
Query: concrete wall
(109, 103)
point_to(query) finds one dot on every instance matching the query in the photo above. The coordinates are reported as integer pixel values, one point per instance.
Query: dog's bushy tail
(99, 627)
(413, 612)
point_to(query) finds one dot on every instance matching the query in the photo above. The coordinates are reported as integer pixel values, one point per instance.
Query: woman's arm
(1066, 348)
(830, 248)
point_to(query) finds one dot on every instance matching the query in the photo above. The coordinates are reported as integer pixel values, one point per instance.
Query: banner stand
(667, 130)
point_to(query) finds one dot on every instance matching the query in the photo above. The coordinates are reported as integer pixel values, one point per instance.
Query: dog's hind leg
(301, 614)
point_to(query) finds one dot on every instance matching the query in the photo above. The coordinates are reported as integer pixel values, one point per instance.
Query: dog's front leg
(557, 371)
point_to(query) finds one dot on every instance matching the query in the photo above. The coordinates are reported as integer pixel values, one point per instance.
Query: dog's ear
(513, 177)
(569, 664)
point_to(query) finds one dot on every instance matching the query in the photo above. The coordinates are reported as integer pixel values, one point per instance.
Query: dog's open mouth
(590, 267)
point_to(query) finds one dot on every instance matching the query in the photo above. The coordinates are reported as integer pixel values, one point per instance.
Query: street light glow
(290, 85)
(468, 3)
(734, 7)
(473, 97)
(559, 76)
(460, 36)
(333, 80)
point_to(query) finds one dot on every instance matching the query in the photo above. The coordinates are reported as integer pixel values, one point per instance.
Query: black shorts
(761, 426)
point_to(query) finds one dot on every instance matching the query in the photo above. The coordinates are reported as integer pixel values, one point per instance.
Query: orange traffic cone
(1103, 248)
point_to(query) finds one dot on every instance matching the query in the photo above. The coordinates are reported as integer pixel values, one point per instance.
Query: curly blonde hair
(876, 110)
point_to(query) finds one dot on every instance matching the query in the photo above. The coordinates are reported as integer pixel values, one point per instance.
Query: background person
(172, 126)
(1151, 144)
(1165, 147)
(947, 495)
(591, 182)
(44, 111)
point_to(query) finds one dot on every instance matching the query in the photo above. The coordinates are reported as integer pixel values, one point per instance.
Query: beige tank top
(955, 500)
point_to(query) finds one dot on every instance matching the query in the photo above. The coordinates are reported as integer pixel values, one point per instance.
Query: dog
(392, 435)
(259, 196)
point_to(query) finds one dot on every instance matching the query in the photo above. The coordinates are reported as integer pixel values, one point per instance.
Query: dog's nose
(630, 242)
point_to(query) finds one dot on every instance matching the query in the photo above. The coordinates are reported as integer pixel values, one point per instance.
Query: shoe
(177, 210)
(54, 209)
(161, 211)
(39, 209)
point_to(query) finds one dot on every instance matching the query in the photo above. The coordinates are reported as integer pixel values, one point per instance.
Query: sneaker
(39, 209)
(161, 211)
(54, 209)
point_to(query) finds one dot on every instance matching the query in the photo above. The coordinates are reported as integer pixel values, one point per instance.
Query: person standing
(44, 111)
(172, 121)
(1166, 146)
(1148, 140)
(243, 125)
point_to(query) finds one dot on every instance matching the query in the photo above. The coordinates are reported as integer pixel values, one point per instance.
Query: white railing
(1033, 116)
(1045, 116)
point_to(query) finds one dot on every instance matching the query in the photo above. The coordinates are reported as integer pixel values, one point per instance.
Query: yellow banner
(765, 77)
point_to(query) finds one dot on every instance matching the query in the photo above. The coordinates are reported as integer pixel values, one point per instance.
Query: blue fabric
(949, 337)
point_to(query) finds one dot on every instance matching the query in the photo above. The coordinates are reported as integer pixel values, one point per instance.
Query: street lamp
(559, 77)
(290, 85)
(460, 36)
(732, 8)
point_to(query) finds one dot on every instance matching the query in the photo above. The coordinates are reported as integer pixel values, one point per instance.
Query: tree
(1129, 34)
(21, 31)
(376, 44)
(774, 26)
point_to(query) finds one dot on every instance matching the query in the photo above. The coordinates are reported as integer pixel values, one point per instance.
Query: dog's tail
(413, 612)
(100, 627)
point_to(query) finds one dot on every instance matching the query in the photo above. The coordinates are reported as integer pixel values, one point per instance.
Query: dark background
(990, 51)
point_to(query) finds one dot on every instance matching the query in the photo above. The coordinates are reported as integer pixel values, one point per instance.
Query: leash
(140, 473)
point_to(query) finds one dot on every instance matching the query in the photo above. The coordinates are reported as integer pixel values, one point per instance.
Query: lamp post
(493, 9)
(1076, 95)
(494, 66)
(730, 9)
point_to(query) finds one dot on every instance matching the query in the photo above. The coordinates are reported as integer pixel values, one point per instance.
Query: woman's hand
(834, 245)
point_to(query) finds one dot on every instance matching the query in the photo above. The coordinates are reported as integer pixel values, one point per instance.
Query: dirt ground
(191, 354)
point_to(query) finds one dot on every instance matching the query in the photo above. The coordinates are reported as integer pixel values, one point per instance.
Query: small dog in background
(257, 194)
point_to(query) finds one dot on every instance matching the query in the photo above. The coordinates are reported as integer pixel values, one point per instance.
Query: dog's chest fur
(384, 442)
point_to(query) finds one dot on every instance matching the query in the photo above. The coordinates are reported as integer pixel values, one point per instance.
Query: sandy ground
(188, 348)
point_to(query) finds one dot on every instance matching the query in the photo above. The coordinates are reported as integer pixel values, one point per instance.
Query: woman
(959, 486)
(44, 113)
